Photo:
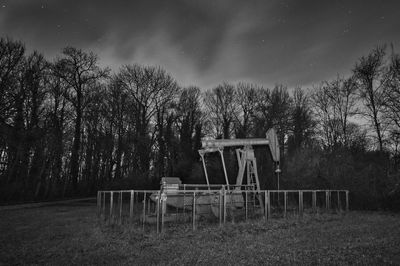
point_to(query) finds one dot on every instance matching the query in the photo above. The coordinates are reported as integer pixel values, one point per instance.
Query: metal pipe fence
(160, 209)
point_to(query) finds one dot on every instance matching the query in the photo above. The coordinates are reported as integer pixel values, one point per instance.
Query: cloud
(206, 42)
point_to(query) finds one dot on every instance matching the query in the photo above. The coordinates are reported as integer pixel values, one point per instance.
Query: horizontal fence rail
(159, 209)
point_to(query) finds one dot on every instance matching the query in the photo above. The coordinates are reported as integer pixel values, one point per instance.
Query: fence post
(246, 203)
(220, 208)
(339, 205)
(104, 205)
(144, 209)
(347, 200)
(177, 210)
(314, 201)
(285, 203)
(158, 212)
(111, 207)
(330, 199)
(163, 209)
(98, 204)
(300, 203)
(120, 207)
(184, 200)
(194, 211)
(269, 204)
(327, 200)
(131, 203)
(224, 201)
(265, 206)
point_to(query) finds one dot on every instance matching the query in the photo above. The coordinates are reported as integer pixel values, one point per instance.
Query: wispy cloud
(206, 42)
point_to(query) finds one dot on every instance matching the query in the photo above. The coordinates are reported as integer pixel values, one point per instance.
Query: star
(281, 20)
(346, 30)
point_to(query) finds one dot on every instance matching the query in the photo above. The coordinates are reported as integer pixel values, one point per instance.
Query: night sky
(203, 43)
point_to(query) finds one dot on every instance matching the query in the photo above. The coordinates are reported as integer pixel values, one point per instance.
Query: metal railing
(156, 209)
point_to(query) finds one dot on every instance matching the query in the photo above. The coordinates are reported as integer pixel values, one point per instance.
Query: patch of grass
(71, 234)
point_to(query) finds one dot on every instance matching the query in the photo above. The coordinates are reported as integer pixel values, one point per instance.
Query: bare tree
(342, 95)
(189, 116)
(301, 118)
(36, 80)
(334, 103)
(117, 104)
(370, 76)
(392, 92)
(329, 126)
(246, 98)
(273, 110)
(222, 108)
(134, 79)
(12, 56)
(81, 72)
(12, 59)
(59, 112)
(152, 91)
(165, 103)
(392, 101)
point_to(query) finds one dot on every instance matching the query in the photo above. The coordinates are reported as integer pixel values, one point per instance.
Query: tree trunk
(76, 146)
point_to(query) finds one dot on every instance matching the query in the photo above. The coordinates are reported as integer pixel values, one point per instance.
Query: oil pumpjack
(246, 161)
(245, 157)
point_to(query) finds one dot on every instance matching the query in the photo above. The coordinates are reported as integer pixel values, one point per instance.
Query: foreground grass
(70, 234)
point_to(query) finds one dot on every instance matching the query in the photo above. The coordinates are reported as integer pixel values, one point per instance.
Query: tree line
(69, 127)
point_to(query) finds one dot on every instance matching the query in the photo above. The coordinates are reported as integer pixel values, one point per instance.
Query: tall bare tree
(392, 102)
(189, 116)
(329, 126)
(36, 76)
(342, 95)
(81, 72)
(12, 59)
(152, 91)
(334, 103)
(165, 102)
(221, 107)
(370, 76)
(59, 112)
(246, 98)
(274, 110)
(302, 121)
(12, 55)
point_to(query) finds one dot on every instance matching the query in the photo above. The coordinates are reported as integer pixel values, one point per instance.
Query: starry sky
(206, 42)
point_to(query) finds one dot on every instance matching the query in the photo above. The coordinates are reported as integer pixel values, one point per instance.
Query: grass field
(70, 234)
